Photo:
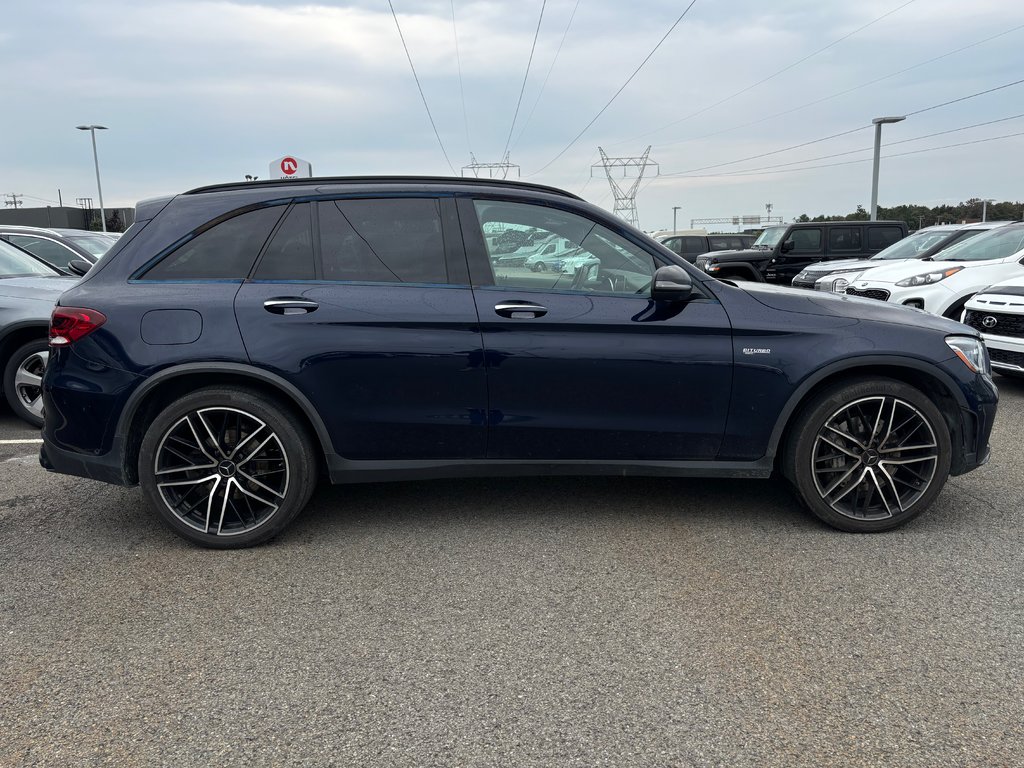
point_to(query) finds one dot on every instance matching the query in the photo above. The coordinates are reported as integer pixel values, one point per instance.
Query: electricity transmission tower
(625, 199)
(494, 170)
(13, 200)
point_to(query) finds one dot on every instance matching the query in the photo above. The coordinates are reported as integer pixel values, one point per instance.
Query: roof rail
(322, 180)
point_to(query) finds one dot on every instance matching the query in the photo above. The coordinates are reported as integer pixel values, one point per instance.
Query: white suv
(998, 312)
(943, 283)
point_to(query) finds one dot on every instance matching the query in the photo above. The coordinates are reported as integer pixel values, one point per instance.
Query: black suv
(242, 340)
(780, 253)
(692, 246)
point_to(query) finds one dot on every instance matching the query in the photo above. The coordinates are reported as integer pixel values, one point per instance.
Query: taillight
(68, 324)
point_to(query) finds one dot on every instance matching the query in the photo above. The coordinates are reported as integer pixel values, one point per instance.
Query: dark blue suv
(243, 340)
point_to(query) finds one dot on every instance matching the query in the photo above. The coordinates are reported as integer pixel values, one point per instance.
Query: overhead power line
(526, 76)
(462, 90)
(842, 133)
(756, 172)
(843, 92)
(621, 89)
(772, 76)
(543, 85)
(420, 88)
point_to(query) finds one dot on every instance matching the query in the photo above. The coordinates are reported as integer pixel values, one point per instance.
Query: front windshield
(997, 244)
(911, 247)
(95, 245)
(769, 237)
(16, 263)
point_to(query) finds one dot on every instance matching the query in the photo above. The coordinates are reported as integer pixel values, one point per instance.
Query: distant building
(118, 219)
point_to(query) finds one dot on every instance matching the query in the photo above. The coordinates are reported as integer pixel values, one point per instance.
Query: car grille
(870, 293)
(1006, 357)
(803, 283)
(1004, 325)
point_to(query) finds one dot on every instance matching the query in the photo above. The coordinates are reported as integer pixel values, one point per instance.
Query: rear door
(581, 363)
(364, 304)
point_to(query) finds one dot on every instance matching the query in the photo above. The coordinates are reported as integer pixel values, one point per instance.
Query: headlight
(928, 277)
(971, 351)
(711, 267)
(840, 284)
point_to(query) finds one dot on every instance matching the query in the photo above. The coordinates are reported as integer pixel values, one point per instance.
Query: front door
(581, 363)
(357, 303)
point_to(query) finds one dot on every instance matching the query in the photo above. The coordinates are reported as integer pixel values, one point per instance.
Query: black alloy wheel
(227, 468)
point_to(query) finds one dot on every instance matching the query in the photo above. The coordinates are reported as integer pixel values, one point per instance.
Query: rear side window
(289, 256)
(883, 237)
(226, 251)
(47, 250)
(844, 239)
(394, 240)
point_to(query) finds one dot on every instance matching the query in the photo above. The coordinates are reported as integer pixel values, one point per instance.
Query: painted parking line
(26, 441)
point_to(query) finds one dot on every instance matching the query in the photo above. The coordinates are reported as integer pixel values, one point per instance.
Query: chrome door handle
(290, 306)
(520, 310)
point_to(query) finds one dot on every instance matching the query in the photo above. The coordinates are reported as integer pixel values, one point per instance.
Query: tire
(853, 483)
(539, 266)
(23, 381)
(207, 493)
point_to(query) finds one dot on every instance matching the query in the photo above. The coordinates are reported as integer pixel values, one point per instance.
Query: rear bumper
(106, 468)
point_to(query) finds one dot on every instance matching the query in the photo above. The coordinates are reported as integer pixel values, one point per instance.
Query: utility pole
(625, 200)
(878, 123)
(768, 207)
(984, 207)
(494, 170)
(675, 210)
(13, 200)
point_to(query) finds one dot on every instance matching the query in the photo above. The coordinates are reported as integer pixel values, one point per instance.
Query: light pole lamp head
(892, 119)
(91, 127)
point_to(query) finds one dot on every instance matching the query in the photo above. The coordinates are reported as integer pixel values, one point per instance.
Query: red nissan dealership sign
(290, 167)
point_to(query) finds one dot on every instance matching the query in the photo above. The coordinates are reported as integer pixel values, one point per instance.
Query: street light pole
(96, 161)
(675, 211)
(878, 123)
(984, 207)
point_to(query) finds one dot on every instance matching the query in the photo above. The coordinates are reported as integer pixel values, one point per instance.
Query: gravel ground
(548, 622)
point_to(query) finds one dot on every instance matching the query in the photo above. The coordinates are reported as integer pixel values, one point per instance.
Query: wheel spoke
(259, 448)
(248, 437)
(253, 480)
(252, 495)
(845, 435)
(216, 444)
(191, 468)
(199, 443)
(838, 447)
(209, 502)
(25, 378)
(881, 493)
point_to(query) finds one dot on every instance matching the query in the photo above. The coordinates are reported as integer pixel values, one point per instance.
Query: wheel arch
(163, 387)
(937, 385)
(728, 270)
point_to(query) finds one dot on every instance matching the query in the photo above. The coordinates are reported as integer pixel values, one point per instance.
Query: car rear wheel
(869, 455)
(23, 381)
(227, 468)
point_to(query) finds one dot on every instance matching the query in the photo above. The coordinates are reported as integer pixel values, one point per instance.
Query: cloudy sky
(202, 91)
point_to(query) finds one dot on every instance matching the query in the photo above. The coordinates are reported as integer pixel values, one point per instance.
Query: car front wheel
(23, 381)
(869, 455)
(227, 468)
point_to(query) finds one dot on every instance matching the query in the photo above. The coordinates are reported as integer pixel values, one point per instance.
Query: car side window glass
(47, 250)
(289, 255)
(674, 244)
(225, 251)
(385, 240)
(806, 240)
(568, 252)
(882, 237)
(844, 239)
(694, 245)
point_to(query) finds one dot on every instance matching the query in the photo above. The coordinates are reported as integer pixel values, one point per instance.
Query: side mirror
(787, 246)
(79, 267)
(671, 284)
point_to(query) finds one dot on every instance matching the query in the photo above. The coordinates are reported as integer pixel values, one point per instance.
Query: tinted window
(806, 240)
(15, 263)
(48, 250)
(883, 237)
(587, 257)
(694, 245)
(289, 256)
(226, 251)
(844, 239)
(724, 243)
(382, 241)
(674, 244)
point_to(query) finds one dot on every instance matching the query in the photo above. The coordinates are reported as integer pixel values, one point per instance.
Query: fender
(861, 362)
(286, 388)
(743, 267)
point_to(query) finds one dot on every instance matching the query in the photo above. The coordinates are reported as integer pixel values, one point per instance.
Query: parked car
(692, 243)
(28, 291)
(836, 276)
(250, 337)
(782, 252)
(998, 313)
(58, 248)
(945, 282)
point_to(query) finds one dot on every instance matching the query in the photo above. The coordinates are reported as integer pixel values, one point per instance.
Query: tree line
(917, 216)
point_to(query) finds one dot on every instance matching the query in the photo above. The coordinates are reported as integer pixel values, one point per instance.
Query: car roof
(24, 229)
(331, 183)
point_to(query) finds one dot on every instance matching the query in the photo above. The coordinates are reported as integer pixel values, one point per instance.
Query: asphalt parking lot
(549, 622)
